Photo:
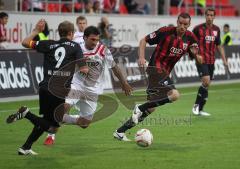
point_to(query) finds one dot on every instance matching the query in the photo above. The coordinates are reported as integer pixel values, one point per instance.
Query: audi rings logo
(210, 38)
(176, 50)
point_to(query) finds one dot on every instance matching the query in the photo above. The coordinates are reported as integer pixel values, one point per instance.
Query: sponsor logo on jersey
(210, 38)
(185, 45)
(215, 33)
(176, 50)
(152, 35)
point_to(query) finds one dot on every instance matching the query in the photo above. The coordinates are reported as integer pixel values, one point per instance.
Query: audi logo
(176, 50)
(210, 38)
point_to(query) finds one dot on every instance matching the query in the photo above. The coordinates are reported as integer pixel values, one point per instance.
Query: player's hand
(40, 26)
(84, 69)
(225, 63)
(141, 62)
(127, 89)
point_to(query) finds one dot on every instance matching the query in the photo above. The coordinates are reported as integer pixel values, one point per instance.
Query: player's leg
(160, 91)
(87, 106)
(206, 82)
(24, 112)
(40, 124)
(50, 139)
(25, 149)
(202, 94)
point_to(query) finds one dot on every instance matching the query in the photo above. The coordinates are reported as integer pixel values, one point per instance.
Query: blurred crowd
(86, 6)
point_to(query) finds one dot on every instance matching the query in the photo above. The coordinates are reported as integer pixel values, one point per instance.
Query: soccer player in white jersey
(81, 23)
(88, 87)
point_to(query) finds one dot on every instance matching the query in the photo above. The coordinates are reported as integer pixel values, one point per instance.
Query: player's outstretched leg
(21, 113)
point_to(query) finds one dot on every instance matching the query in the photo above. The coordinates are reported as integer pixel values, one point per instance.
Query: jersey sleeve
(195, 31)
(193, 46)
(40, 46)
(218, 39)
(193, 41)
(79, 56)
(155, 37)
(110, 63)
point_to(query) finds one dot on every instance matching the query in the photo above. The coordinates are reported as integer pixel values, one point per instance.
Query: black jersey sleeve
(79, 56)
(42, 46)
(195, 31)
(155, 37)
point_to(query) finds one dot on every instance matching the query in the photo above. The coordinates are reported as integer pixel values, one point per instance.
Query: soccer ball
(143, 138)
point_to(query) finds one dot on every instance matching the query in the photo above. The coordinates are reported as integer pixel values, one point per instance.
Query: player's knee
(150, 110)
(174, 95)
(53, 130)
(84, 126)
(206, 82)
(83, 123)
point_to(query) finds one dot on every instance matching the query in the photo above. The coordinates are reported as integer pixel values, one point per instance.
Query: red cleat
(49, 141)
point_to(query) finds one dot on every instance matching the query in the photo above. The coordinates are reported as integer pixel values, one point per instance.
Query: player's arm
(141, 52)
(83, 67)
(39, 27)
(152, 39)
(221, 49)
(193, 52)
(194, 48)
(222, 53)
(124, 84)
(81, 61)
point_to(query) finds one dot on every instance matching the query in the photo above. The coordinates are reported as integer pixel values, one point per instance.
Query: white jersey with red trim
(98, 59)
(78, 37)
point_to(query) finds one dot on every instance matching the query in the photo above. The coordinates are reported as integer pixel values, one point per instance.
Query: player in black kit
(60, 58)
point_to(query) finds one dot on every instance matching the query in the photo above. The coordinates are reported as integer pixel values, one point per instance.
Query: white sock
(70, 119)
(51, 135)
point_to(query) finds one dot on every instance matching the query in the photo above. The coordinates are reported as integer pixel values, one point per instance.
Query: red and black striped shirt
(170, 47)
(208, 38)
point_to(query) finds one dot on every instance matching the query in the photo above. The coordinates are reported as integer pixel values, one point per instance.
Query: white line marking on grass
(14, 110)
(183, 94)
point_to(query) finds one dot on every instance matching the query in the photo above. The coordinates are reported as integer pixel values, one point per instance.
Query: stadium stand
(223, 7)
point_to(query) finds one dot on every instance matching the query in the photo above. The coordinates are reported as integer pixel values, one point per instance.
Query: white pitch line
(184, 94)
(14, 110)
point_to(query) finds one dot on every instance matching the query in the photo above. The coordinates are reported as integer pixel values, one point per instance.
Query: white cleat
(202, 113)
(136, 114)
(120, 136)
(195, 109)
(26, 152)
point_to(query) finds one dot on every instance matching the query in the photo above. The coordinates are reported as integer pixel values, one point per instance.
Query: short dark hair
(184, 15)
(91, 30)
(226, 25)
(210, 9)
(64, 28)
(3, 14)
(80, 18)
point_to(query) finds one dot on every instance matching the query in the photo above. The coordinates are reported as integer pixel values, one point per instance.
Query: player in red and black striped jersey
(60, 59)
(208, 36)
(172, 43)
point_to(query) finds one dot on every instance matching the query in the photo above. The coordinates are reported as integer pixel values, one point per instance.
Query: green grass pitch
(181, 141)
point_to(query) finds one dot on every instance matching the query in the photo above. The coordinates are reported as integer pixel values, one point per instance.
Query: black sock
(144, 115)
(126, 126)
(200, 95)
(204, 99)
(151, 104)
(35, 134)
(38, 121)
